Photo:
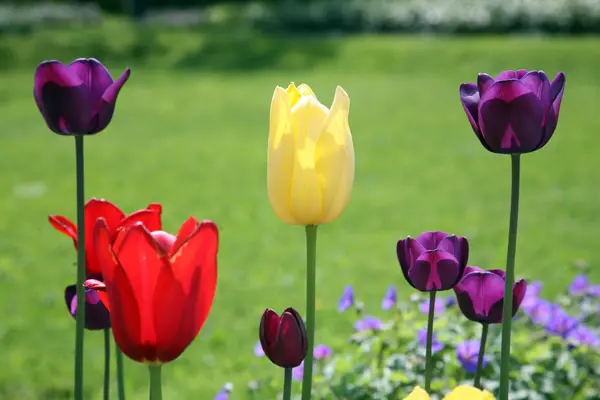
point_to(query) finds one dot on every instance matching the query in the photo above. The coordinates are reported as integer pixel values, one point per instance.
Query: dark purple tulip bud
(97, 316)
(515, 113)
(433, 261)
(283, 339)
(78, 98)
(480, 295)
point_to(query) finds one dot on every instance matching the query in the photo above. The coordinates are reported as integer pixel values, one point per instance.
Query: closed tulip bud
(284, 338)
(310, 166)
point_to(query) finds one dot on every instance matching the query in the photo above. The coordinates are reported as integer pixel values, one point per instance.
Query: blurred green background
(190, 131)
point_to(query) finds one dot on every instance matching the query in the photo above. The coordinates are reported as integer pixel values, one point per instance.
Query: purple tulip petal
(507, 75)
(519, 290)
(408, 250)
(477, 293)
(540, 85)
(469, 97)
(97, 316)
(435, 270)
(93, 74)
(431, 240)
(500, 272)
(55, 72)
(557, 88)
(457, 246)
(556, 93)
(511, 118)
(484, 81)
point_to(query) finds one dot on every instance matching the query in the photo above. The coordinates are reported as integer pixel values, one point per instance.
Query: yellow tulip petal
(468, 393)
(417, 394)
(335, 158)
(307, 121)
(280, 156)
(305, 90)
(294, 94)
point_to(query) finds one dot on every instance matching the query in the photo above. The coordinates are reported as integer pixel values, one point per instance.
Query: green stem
(287, 384)
(80, 315)
(510, 277)
(107, 339)
(120, 373)
(155, 382)
(428, 363)
(484, 333)
(311, 256)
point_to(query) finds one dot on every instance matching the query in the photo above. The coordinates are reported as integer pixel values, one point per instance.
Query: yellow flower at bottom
(417, 394)
(469, 393)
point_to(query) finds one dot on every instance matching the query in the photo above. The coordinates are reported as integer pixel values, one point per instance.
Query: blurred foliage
(388, 364)
(311, 16)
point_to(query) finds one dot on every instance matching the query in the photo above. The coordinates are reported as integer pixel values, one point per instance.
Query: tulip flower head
(160, 287)
(96, 315)
(517, 112)
(76, 99)
(480, 295)
(283, 339)
(459, 393)
(310, 165)
(433, 261)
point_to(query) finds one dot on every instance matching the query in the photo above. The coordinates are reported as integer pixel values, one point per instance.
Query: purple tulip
(438, 308)
(97, 316)
(515, 113)
(78, 98)
(436, 345)
(433, 261)
(368, 323)
(347, 299)
(579, 286)
(321, 352)
(480, 295)
(583, 336)
(390, 298)
(467, 354)
(560, 323)
(539, 310)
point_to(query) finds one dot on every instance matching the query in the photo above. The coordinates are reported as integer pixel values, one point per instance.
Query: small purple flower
(298, 372)
(539, 310)
(224, 392)
(433, 260)
(467, 354)
(258, 350)
(438, 308)
(347, 299)
(436, 345)
(321, 352)
(450, 301)
(594, 290)
(368, 323)
(390, 298)
(531, 294)
(560, 323)
(583, 336)
(579, 286)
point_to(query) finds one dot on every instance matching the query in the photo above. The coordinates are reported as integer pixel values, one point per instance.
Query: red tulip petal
(100, 289)
(139, 257)
(94, 209)
(269, 325)
(104, 254)
(187, 229)
(64, 225)
(151, 218)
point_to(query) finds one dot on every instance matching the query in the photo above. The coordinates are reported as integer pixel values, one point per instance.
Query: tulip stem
(155, 382)
(311, 256)
(120, 373)
(510, 277)
(287, 384)
(80, 314)
(428, 366)
(106, 363)
(484, 333)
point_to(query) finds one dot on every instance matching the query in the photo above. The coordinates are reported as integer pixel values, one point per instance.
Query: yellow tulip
(469, 393)
(417, 394)
(310, 163)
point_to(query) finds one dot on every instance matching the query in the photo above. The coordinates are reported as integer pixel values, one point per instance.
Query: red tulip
(283, 339)
(96, 314)
(160, 287)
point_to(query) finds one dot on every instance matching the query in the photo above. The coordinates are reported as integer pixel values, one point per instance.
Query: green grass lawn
(192, 135)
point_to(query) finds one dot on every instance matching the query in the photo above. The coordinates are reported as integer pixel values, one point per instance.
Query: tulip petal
(93, 74)
(457, 246)
(435, 270)
(280, 157)
(290, 342)
(431, 240)
(469, 97)
(269, 325)
(408, 250)
(307, 121)
(293, 95)
(105, 106)
(556, 93)
(511, 117)
(500, 272)
(334, 158)
(539, 84)
(150, 217)
(55, 72)
(484, 81)
(478, 293)
(97, 316)
(100, 288)
(95, 209)
(507, 75)
(139, 258)
(189, 227)
(417, 394)
(64, 225)
(519, 290)
(305, 90)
